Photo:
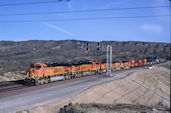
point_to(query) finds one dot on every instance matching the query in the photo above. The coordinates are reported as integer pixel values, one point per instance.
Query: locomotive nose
(32, 70)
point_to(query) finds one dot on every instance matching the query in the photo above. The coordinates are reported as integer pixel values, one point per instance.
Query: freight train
(39, 73)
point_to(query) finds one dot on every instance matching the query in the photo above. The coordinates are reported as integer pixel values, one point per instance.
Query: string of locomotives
(39, 73)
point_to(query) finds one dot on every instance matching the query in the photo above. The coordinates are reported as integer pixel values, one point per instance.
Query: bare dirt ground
(150, 87)
(10, 76)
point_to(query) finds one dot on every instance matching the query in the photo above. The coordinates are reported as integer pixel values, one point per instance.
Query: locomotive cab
(38, 66)
(35, 71)
(35, 66)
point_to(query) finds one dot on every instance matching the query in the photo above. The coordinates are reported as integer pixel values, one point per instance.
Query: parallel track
(11, 85)
(12, 88)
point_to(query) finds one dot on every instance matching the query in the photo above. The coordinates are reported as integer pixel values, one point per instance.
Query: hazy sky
(155, 29)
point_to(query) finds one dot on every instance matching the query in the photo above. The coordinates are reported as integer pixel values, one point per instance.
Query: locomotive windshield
(37, 67)
(31, 66)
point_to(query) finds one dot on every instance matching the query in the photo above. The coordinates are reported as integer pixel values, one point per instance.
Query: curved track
(36, 95)
(17, 87)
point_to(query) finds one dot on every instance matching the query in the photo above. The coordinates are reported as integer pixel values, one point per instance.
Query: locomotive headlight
(28, 74)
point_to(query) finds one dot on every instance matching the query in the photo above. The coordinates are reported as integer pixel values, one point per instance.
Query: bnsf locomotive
(40, 73)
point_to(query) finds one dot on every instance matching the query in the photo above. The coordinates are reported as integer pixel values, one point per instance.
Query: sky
(154, 29)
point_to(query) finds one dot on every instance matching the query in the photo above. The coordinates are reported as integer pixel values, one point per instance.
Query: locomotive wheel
(74, 76)
(79, 75)
(66, 77)
(40, 82)
(36, 82)
(93, 73)
(45, 81)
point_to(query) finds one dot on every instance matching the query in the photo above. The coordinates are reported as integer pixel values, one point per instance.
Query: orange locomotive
(126, 64)
(40, 73)
(117, 65)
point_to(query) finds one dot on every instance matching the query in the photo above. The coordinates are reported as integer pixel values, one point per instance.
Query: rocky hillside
(15, 56)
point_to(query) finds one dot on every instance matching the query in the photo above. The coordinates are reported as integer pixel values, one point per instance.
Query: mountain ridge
(16, 56)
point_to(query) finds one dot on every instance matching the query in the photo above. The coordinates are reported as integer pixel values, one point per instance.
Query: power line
(76, 19)
(78, 11)
(29, 3)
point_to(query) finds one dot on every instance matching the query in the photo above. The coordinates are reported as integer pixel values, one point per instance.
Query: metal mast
(109, 60)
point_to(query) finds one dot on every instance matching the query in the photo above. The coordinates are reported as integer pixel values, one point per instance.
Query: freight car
(132, 63)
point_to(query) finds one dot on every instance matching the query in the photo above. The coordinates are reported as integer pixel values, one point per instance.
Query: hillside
(143, 91)
(16, 56)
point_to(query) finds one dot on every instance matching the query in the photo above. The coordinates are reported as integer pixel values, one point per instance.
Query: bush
(70, 108)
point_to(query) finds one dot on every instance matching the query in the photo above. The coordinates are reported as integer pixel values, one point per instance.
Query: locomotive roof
(125, 61)
(67, 64)
(38, 64)
(116, 62)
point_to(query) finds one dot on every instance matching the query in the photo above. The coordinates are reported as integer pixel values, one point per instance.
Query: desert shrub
(70, 108)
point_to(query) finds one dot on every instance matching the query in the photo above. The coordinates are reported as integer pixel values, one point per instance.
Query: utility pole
(109, 60)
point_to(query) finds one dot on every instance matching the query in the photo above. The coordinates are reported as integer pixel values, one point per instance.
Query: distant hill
(17, 55)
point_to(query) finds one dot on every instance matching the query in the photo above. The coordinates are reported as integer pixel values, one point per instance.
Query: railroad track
(19, 84)
(16, 87)
(11, 85)
(10, 88)
(8, 83)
